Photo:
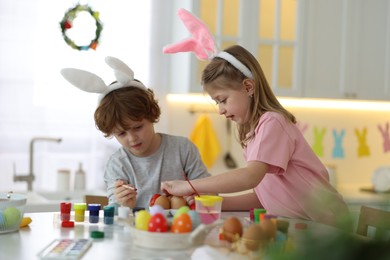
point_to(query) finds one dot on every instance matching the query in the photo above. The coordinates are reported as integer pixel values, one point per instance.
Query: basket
(11, 211)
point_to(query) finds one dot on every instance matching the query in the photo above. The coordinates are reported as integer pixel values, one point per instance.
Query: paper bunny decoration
(318, 147)
(90, 82)
(202, 43)
(386, 137)
(363, 149)
(338, 150)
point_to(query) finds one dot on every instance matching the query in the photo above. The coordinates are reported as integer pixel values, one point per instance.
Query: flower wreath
(66, 23)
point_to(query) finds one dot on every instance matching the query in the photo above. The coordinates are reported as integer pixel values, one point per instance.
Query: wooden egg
(253, 237)
(269, 228)
(232, 229)
(177, 202)
(163, 201)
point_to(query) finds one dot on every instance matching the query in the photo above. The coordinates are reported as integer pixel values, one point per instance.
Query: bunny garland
(386, 137)
(202, 43)
(90, 82)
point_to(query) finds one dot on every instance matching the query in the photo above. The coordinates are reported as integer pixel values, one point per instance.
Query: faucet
(29, 178)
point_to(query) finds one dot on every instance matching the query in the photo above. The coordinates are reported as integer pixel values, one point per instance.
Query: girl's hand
(190, 200)
(125, 196)
(177, 188)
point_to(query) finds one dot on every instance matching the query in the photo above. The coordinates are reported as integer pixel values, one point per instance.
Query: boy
(127, 111)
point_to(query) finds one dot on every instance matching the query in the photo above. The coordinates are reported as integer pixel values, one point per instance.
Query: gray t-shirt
(175, 155)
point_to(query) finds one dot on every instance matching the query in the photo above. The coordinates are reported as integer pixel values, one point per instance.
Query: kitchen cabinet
(347, 49)
(326, 49)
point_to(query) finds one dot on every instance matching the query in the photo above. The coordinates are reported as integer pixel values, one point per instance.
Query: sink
(49, 201)
(72, 196)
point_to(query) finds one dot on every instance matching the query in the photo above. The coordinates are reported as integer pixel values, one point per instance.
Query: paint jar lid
(66, 205)
(80, 206)
(67, 224)
(94, 207)
(97, 234)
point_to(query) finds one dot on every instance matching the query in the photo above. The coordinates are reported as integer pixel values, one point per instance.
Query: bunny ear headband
(202, 43)
(90, 82)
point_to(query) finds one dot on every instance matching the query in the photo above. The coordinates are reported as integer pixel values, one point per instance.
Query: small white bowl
(169, 241)
(11, 211)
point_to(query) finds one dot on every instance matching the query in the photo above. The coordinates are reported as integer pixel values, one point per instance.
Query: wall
(36, 101)
(352, 171)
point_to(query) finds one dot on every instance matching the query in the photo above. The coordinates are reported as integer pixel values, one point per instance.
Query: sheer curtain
(36, 101)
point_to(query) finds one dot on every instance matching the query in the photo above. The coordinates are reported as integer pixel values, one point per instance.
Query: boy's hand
(125, 194)
(177, 188)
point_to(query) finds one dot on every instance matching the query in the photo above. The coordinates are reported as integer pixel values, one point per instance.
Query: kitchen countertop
(364, 196)
(117, 243)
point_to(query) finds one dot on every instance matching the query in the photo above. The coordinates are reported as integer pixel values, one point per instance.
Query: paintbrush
(127, 186)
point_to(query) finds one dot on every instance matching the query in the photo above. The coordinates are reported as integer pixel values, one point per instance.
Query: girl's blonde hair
(123, 104)
(263, 99)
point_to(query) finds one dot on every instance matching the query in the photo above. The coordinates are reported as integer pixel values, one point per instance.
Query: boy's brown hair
(123, 104)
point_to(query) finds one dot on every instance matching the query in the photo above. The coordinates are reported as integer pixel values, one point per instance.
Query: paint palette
(65, 249)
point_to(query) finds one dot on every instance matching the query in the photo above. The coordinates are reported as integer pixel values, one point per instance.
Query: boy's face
(140, 139)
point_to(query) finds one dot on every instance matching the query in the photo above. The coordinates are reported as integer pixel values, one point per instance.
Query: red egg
(158, 223)
(182, 224)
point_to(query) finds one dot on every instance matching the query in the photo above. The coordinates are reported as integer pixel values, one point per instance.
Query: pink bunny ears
(202, 43)
(90, 82)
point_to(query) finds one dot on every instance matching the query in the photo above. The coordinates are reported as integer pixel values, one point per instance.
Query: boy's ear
(249, 85)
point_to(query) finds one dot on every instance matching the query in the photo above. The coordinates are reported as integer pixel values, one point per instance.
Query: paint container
(79, 211)
(94, 212)
(65, 208)
(109, 212)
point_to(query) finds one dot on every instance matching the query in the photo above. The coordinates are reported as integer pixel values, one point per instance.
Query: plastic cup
(208, 208)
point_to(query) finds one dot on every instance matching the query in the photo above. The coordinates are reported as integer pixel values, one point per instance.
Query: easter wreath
(66, 23)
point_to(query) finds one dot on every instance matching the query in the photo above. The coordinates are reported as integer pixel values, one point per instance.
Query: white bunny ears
(202, 43)
(90, 82)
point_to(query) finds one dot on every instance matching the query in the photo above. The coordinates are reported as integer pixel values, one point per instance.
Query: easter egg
(269, 228)
(232, 229)
(156, 209)
(195, 218)
(12, 216)
(2, 221)
(142, 219)
(178, 202)
(180, 211)
(254, 237)
(153, 199)
(158, 223)
(163, 201)
(182, 224)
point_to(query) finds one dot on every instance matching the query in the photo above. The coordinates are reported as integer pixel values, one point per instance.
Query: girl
(287, 178)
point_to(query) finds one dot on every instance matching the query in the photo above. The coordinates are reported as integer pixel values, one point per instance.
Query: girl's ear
(249, 85)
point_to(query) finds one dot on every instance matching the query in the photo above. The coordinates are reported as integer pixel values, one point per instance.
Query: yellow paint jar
(79, 211)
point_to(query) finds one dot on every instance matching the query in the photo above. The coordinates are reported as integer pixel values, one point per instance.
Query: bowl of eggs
(155, 229)
(11, 211)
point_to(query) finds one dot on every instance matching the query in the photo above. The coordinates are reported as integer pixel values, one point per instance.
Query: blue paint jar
(109, 212)
(94, 212)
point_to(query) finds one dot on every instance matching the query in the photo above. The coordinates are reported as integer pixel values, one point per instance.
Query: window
(267, 28)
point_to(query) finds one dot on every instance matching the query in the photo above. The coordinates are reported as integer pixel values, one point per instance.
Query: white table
(117, 244)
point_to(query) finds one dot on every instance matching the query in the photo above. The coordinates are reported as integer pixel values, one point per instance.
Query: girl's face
(140, 139)
(233, 103)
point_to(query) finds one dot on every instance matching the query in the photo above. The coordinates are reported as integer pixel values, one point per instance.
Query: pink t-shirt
(297, 183)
